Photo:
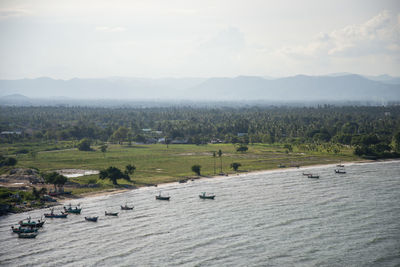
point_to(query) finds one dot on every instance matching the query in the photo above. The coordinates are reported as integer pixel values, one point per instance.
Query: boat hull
(162, 198)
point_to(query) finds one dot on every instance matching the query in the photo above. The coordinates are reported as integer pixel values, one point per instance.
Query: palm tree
(220, 157)
(214, 156)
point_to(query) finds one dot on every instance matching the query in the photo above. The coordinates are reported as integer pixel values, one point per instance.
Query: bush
(84, 145)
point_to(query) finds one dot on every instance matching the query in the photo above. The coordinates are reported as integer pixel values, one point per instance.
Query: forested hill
(348, 87)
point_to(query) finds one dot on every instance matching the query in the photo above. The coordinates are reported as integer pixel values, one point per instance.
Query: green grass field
(159, 164)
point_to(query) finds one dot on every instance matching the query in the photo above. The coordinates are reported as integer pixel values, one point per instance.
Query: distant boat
(340, 165)
(111, 213)
(21, 229)
(204, 195)
(160, 197)
(91, 219)
(306, 174)
(182, 181)
(75, 210)
(53, 215)
(313, 176)
(126, 207)
(27, 235)
(340, 171)
(30, 223)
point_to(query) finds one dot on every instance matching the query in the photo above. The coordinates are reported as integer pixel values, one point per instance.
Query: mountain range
(334, 87)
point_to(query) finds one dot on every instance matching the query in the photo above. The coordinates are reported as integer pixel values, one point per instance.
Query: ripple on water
(275, 218)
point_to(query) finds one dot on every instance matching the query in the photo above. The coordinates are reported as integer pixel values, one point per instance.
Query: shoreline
(113, 191)
(238, 174)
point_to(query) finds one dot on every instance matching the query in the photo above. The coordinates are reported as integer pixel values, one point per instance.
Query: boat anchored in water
(314, 176)
(111, 213)
(76, 210)
(91, 219)
(126, 207)
(27, 235)
(53, 215)
(30, 223)
(160, 197)
(205, 195)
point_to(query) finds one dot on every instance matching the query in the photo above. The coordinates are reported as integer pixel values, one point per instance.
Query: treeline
(372, 130)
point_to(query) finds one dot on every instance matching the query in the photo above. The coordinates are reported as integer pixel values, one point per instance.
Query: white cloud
(379, 35)
(110, 29)
(6, 13)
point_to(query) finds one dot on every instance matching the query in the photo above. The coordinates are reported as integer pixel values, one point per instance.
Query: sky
(208, 38)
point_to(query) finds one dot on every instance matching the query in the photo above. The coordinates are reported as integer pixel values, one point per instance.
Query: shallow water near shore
(276, 218)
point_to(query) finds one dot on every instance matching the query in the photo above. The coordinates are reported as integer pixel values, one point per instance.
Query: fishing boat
(340, 165)
(30, 223)
(21, 229)
(204, 195)
(313, 176)
(91, 219)
(126, 207)
(53, 215)
(111, 213)
(27, 235)
(160, 197)
(339, 171)
(306, 173)
(76, 210)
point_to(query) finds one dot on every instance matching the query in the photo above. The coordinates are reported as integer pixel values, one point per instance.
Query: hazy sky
(148, 38)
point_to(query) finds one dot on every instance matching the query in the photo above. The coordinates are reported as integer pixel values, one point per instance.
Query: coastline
(238, 174)
(112, 191)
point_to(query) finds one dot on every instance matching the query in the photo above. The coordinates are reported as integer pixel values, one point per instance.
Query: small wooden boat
(340, 165)
(21, 229)
(204, 195)
(340, 171)
(53, 215)
(27, 235)
(111, 213)
(76, 210)
(160, 197)
(126, 207)
(306, 173)
(30, 223)
(91, 219)
(313, 176)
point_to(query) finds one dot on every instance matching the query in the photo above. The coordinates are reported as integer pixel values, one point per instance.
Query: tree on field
(196, 169)
(103, 149)
(220, 157)
(235, 166)
(113, 174)
(214, 156)
(130, 169)
(7, 161)
(84, 145)
(56, 179)
(242, 148)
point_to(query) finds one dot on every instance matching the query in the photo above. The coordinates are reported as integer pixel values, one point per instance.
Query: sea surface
(274, 218)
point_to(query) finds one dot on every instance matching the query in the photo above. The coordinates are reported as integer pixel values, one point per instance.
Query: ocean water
(275, 218)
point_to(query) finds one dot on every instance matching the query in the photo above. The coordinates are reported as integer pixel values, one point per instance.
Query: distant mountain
(385, 79)
(300, 88)
(15, 99)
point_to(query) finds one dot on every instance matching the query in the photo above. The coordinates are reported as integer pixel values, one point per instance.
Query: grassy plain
(158, 164)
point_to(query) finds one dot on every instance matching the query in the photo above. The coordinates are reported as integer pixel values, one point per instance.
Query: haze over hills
(335, 87)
